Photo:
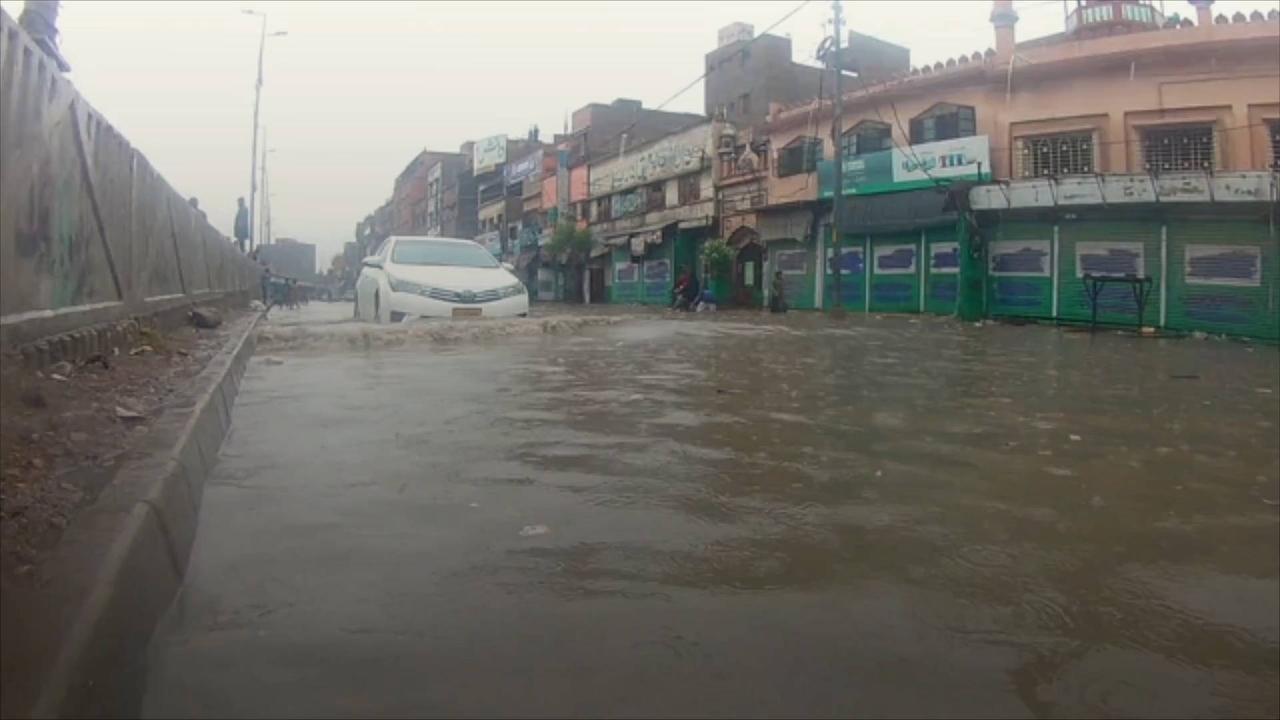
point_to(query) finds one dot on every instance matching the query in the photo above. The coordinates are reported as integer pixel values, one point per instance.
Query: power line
(703, 76)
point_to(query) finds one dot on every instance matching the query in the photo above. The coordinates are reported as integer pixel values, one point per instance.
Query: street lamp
(257, 99)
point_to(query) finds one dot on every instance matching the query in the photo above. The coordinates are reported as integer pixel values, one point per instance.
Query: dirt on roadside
(65, 430)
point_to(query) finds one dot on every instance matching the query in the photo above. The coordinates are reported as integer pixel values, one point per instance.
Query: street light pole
(257, 102)
(837, 192)
(257, 99)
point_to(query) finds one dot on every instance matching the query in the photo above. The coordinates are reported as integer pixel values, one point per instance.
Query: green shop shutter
(626, 278)
(658, 274)
(895, 272)
(853, 272)
(1108, 247)
(796, 261)
(942, 270)
(1019, 270)
(1223, 278)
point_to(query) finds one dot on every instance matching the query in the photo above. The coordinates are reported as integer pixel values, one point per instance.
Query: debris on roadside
(125, 413)
(141, 350)
(532, 530)
(62, 367)
(205, 318)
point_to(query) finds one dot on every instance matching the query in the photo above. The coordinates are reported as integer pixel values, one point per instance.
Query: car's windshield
(439, 252)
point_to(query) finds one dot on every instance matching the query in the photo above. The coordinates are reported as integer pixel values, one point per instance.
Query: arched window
(943, 121)
(867, 136)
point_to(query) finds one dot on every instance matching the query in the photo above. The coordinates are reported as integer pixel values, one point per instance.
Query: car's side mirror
(509, 267)
(372, 261)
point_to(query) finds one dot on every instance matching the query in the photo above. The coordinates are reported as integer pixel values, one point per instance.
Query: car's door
(370, 280)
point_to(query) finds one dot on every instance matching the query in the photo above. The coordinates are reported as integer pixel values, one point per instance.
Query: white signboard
(1242, 187)
(988, 197)
(895, 260)
(1030, 193)
(1183, 187)
(944, 258)
(488, 153)
(1079, 191)
(1020, 258)
(1128, 188)
(669, 157)
(961, 157)
(1238, 265)
(1110, 259)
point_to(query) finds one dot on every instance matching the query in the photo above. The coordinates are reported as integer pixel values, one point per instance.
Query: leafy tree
(570, 245)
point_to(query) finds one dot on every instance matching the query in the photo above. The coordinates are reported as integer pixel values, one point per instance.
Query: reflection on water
(1101, 506)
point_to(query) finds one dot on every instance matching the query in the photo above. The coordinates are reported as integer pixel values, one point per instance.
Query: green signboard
(915, 166)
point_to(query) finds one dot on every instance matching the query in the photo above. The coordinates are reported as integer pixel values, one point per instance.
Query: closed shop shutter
(942, 270)
(853, 273)
(1108, 247)
(626, 286)
(796, 261)
(895, 272)
(1223, 278)
(658, 274)
(1019, 270)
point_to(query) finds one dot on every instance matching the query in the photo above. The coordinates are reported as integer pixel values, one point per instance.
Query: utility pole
(837, 192)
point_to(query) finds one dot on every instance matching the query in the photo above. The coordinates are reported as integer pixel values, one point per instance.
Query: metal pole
(837, 191)
(253, 155)
(266, 198)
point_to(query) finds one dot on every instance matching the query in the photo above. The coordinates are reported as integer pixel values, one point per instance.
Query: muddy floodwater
(739, 516)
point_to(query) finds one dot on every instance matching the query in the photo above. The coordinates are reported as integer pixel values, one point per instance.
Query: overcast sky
(356, 89)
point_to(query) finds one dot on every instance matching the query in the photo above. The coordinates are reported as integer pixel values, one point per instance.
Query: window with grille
(943, 121)
(690, 189)
(799, 156)
(1273, 127)
(1176, 149)
(866, 137)
(1053, 155)
(655, 196)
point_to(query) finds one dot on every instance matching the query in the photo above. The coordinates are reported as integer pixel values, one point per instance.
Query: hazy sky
(356, 89)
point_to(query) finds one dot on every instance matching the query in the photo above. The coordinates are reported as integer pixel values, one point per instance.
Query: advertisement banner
(488, 153)
(523, 168)
(915, 166)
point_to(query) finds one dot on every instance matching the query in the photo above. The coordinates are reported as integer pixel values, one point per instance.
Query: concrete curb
(150, 526)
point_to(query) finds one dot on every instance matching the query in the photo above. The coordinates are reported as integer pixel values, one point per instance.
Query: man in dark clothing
(242, 224)
(777, 301)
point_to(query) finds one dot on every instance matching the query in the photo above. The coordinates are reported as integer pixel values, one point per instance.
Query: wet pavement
(740, 515)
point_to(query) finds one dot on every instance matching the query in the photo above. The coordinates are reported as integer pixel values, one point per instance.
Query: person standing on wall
(242, 224)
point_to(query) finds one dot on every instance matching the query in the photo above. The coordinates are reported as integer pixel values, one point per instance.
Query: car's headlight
(513, 290)
(404, 286)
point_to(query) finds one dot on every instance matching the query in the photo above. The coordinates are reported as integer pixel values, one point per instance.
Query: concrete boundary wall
(90, 233)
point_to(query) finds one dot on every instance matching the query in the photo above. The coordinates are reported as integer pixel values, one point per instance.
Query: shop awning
(897, 212)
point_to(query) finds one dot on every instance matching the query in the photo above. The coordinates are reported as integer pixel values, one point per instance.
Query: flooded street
(737, 515)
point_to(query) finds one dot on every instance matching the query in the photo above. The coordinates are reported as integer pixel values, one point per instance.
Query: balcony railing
(1132, 13)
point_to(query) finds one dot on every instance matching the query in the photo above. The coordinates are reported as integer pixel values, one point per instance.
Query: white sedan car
(414, 277)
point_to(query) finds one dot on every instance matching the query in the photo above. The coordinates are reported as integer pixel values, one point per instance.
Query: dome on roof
(915, 71)
(938, 66)
(964, 59)
(1220, 20)
(990, 53)
(976, 56)
(1273, 14)
(1239, 17)
(926, 70)
(1256, 16)
(951, 62)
